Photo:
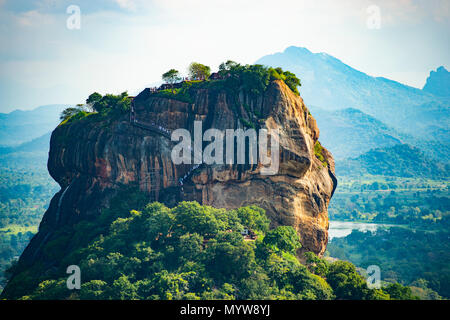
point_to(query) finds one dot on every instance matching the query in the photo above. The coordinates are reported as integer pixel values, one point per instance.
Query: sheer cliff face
(92, 159)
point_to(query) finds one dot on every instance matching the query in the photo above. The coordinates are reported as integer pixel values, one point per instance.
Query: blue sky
(127, 44)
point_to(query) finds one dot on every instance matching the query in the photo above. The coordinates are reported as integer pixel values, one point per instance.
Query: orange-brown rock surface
(95, 157)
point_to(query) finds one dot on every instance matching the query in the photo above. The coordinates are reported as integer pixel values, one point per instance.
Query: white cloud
(414, 11)
(33, 18)
(126, 4)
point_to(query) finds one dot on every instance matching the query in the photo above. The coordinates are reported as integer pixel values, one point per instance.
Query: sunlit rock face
(94, 158)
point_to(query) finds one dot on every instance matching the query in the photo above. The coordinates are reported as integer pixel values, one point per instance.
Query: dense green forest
(24, 196)
(25, 193)
(400, 160)
(420, 259)
(191, 252)
(416, 253)
(393, 200)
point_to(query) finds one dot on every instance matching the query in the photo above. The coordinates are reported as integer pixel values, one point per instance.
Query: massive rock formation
(95, 157)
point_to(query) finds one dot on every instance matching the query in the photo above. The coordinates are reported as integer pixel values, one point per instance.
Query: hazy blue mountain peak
(297, 50)
(331, 84)
(438, 82)
(21, 126)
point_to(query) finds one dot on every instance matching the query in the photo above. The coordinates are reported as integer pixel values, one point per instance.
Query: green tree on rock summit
(199, 71)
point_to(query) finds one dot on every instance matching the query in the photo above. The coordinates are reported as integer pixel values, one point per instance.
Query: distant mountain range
(351, 132)
(332, 85)
(357, 112)
(22, 126)
(28, 155)
(25, 137)
(40, 144)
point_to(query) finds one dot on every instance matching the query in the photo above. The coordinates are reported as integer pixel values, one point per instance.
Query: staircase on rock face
(161, 130)
(153, 127)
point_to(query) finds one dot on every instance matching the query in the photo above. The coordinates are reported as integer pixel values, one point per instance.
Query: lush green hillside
(189, 252)
(415, 254)
(348, 133)
(414, 202)
(398, 161)
(25, 192)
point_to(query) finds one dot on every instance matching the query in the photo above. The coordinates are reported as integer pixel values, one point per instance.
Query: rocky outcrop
(438, 82)
(93, 158)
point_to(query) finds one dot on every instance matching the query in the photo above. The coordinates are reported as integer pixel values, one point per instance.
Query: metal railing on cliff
(160, 129)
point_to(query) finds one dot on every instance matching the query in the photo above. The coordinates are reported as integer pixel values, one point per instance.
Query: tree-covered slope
(188, 252)
(414, 257)
(25, 192)
(398, 161)
(349, 132)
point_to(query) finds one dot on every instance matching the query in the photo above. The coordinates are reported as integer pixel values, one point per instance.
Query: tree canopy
(199, 71)
(255, 78)
(191, 252)
(93, 98)
(110, 102)
(172, 76)
(69, 112)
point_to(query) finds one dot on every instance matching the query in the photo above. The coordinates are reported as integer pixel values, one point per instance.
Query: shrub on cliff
(318, 151)
(181, 94)
(102, 105)
(255, 78)
(69, 112)
(111, 103)
(288, 77)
